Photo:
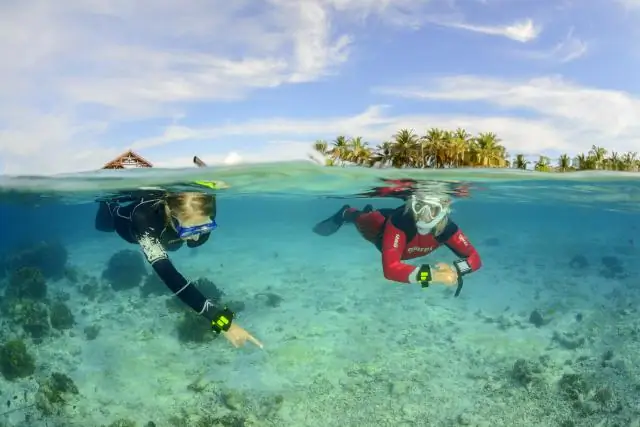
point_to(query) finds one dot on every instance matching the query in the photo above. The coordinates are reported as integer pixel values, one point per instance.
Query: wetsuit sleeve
(394, 242)
(146, 235)
(460, 245)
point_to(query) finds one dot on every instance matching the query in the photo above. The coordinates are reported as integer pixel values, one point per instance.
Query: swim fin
(332, 224)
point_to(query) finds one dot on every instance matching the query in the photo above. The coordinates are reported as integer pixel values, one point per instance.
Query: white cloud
(567, 50)
(566, 118)
(98, 63)
(78, 69)
(290, 139)
(520, 31)
(272, 151)
(630, 4)
(582, 116)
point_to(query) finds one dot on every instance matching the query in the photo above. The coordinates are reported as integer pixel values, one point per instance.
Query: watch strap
(221, 320)
(424, 276)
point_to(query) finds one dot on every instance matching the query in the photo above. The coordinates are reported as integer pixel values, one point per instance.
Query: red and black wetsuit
(394, 233)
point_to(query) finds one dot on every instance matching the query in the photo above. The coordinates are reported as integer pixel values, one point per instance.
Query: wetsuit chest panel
(417, 244)
(420, 245)
(145, 216)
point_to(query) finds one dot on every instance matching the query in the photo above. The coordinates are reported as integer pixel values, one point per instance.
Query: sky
(81, 81)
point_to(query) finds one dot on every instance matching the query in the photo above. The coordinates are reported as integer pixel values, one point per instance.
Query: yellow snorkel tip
(213, 185)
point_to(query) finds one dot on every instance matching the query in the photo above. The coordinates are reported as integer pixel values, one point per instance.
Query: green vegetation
(445, 149)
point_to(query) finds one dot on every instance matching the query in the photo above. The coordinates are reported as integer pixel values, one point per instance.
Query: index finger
(255, 341)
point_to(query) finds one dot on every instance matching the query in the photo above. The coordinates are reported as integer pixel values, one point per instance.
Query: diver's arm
(181, 287)
(460, 245)
(393, 244)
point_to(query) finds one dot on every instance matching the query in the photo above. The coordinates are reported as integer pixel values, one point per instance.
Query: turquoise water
(545, 334)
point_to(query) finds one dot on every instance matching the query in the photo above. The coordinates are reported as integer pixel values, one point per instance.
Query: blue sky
(244, 81)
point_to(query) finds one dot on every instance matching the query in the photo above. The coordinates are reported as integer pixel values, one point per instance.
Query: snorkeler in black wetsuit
(161, 222)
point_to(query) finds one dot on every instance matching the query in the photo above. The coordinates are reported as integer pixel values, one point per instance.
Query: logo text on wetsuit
(419, 250)
(396, 240)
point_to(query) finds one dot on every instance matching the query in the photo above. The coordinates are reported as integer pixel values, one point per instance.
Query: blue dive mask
(186, 232)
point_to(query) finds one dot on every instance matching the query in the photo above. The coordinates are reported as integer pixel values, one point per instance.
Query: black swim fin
(332, 224)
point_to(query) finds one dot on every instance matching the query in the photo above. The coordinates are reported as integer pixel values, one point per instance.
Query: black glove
(221, 320)
(424, 276)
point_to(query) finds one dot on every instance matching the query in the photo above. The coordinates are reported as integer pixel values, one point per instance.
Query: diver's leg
(104, 217)
(369, 223)
(332, 224)
(347, 215)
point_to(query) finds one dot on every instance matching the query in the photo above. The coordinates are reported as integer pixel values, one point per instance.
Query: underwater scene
(295, 295)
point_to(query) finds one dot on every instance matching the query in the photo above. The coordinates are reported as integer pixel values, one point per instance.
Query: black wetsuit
(142, 221)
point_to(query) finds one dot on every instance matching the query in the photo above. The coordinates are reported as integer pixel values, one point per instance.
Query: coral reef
(612, 268)
(233, 408)
(122, 422)
(61, 316)
(31, 316)
(270, 299)
(207, 287)
(54, 393)
(125, 270)
(26, 282)
(91, 332)
(50, 257)
(193, 328)
(537, 319)
(25, 305)
(579, 262)
(525, 372)
(153, 285)
(15, 360)
(90, 289)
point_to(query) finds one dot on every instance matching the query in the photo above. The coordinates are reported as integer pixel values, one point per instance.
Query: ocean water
(546, 333)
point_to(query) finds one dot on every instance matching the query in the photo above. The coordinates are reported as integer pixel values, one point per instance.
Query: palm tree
(405, 148)
(433, 148)
(520, 162)
(489, 153)
(564, 163)
(340, 151)
(459, 144)
(598, 155)
(441, 148)
(359, 151)
(382, 155)
(322, 148)
(630, 161)
(543, 164)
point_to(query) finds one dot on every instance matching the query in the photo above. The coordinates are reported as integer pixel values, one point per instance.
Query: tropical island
(441, 148)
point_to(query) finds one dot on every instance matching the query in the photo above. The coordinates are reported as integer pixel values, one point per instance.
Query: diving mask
(428, 212)
(196, 230)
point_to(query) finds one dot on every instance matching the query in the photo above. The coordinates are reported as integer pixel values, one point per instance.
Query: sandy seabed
(345, 347)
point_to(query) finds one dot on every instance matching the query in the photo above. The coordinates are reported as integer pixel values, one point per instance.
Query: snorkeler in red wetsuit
(412, 230)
